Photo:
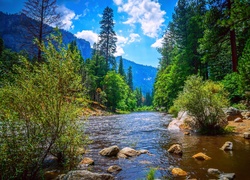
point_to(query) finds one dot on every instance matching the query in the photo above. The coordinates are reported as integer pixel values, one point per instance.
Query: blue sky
(139, 24)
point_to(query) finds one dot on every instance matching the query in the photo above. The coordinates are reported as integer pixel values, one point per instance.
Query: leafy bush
(204, 100)
(39, 114)
(232, 84)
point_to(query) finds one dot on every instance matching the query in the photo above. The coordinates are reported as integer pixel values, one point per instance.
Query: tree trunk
(233, 43)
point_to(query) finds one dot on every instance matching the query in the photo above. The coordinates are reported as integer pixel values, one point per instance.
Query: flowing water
(148, 130)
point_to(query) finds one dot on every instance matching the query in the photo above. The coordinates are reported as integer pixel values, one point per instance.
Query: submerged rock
(143, 151)
(175, 149)
(227, 176)
(213, 171)
(247, 135)
(201, 156)
(128, 152)
(86, 175)
(114, 168)
(178, 172)
(227, 146)
(110, 151)
(87, 161)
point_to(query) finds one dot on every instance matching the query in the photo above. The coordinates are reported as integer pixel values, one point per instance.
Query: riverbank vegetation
(211, 40)
(43, 95)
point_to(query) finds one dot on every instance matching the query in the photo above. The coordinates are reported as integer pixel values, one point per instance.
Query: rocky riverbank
(238, 121)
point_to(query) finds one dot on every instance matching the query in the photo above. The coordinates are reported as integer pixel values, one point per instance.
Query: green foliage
(174, 110)
(116, 90)
(232, 85)
(244, 67)
(130, 78)
(151, 174)
(39, 114)
(204, 100)
(144, 108)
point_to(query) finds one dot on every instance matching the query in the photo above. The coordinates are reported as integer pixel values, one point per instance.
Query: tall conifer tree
(107, 43)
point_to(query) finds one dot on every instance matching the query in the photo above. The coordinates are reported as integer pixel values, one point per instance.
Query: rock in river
(110, 151)
(178, 172)
(227, 146)
(114, 168)
(175, 149)
(87, 161)
(247, 135)
(128, 152)
(201, 156)
(86, 175)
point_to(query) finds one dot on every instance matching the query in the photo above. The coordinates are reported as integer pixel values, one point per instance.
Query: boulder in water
(114, 168)
(110, 151)
(86, 175)
(175, 149)
(227, 146)
(87, 161)
(128, 152)
(246, 135)
(227, 176)
(213, 171)
(178, 172)
(201, 156)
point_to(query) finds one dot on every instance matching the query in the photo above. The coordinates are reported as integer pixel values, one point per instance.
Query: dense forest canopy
(209, 39)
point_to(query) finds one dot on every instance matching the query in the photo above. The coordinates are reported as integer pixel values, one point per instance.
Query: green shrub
(174, 111)
(204, 100)
(39, 114)
(151, 174)
(232, 84)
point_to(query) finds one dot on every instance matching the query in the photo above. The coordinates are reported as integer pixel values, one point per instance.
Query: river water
(148, 130)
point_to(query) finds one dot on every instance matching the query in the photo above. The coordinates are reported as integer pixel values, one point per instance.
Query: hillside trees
(45, 13)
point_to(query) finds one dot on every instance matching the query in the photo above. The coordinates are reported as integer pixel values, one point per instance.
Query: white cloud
(134, 38)
(88, 36)
(119, 51)
(118, 2)
(145, 12)
(158, 43)
(123, 41)
(67, 17)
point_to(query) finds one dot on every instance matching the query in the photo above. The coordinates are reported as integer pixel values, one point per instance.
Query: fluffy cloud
(158, 43)
(88, 35)
(145, 12)
(123, 41)
(118, 2)
(67, 17)
(119, 51)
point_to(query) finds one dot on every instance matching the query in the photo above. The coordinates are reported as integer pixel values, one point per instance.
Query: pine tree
(130, 78)
(107, 43)
(44, 13)
(121, 69)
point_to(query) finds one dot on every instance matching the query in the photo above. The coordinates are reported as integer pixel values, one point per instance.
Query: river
(148, 130)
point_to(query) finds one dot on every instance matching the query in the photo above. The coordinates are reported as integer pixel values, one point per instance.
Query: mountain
(143, 76)
(11, 32)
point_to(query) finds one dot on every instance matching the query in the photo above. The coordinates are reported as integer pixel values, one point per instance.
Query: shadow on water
(148, 130)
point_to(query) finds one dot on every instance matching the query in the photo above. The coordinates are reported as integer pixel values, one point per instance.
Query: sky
(139, 24)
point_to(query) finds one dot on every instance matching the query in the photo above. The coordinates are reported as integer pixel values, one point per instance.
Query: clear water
(148, 130)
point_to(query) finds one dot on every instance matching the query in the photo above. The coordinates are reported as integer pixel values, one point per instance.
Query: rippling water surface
(148, 130)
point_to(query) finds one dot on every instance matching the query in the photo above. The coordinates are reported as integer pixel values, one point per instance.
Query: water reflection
(148, 131)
